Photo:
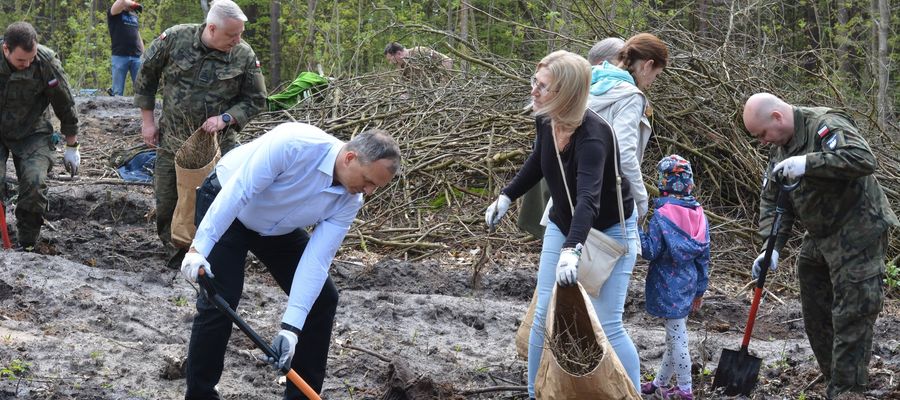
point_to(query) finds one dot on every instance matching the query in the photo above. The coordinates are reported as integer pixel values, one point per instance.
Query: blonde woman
(585, 144)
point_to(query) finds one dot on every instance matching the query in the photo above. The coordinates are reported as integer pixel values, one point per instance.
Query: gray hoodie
(623, 107)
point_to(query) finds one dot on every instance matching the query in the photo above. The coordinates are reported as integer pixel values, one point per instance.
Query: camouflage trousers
(165, 184)
(841, 295)
(32, 159)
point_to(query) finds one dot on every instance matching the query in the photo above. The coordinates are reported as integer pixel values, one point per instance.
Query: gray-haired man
(212, 81)
(266, 193)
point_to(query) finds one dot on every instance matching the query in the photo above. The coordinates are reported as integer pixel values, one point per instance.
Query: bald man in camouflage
(212, 81)
(846, 215)
(31, 78)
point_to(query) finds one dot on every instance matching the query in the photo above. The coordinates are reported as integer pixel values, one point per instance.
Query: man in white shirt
(269, 190)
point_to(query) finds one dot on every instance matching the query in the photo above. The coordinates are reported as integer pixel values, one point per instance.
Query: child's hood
(689, 233)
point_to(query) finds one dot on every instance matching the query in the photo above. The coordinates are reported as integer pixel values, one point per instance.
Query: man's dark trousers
(212, 329)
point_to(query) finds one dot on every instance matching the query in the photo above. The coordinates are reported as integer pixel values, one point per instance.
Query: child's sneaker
(676, 393)
(648, 388)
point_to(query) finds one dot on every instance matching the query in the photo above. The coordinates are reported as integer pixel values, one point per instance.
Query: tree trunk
(310, 45)
(463, 29)
(702, 23)
(275, 43)
(843, 18)
(204, 5)
(882, 70)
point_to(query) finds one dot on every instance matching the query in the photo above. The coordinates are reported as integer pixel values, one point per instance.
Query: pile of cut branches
(462, 140)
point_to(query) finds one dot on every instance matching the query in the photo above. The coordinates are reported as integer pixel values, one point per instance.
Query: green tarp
(306, 85)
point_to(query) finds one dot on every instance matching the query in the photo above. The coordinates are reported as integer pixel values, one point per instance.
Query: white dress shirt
(279, 182)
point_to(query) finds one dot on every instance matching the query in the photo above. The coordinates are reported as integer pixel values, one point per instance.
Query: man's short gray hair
(606, 50)
(222, 10)
(376, 144)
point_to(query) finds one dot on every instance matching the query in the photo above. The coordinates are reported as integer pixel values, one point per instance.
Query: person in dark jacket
(587, 148)
(31, 79)
(677, 246)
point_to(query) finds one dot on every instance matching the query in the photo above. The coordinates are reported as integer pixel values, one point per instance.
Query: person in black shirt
(586, 146)
(127, 46)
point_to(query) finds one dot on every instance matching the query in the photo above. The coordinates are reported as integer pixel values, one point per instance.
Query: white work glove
(496, 210)
(191, 264)
(283, 345)
(567, 266)
(72, 159)
(757, 265)
(791, 167)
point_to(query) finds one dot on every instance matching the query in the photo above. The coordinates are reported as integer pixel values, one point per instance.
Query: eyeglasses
(542, 88)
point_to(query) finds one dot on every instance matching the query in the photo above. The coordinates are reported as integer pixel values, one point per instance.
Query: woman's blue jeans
(609, 303)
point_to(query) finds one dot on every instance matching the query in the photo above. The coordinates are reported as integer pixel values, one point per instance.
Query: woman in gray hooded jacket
(617, 95)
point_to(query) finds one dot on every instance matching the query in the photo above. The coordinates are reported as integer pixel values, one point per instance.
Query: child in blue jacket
(677, 247)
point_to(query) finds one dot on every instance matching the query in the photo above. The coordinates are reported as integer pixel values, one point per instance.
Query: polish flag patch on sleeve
(823, 131)
(53, 83)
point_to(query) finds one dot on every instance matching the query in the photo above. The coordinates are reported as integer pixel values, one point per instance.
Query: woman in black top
(585, 144)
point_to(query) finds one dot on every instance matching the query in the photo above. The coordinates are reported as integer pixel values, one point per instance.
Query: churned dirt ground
(96, 315)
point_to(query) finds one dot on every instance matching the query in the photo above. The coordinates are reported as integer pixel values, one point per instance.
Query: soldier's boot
(28, 228)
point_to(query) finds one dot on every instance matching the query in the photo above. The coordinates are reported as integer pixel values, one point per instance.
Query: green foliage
(892, 279)
(180, 301)
(15, 370)
(829, 40)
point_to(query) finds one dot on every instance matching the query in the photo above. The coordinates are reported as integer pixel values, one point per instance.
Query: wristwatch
(226, 118)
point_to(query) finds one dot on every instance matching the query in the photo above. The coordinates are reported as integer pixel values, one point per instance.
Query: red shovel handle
(757, 295)
(6, 243)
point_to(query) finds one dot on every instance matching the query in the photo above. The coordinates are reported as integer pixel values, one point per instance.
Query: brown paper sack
(572, 315)
(524, 331)
(193, 162)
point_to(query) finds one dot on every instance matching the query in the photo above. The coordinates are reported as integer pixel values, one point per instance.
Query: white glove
(283, 345)
(757, 265)
(567, 266)
(791, 167)
(72, 159)
(191, 264)
(496, 210)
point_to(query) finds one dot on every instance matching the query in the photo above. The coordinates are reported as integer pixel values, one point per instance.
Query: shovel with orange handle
(6, 243)
(223, 306)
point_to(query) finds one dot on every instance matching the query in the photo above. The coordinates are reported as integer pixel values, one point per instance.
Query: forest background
(845, 46)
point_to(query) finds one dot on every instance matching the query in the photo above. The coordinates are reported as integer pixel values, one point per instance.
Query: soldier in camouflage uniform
(31, 78)
(212, 81)
(419, 66)
(846, 215)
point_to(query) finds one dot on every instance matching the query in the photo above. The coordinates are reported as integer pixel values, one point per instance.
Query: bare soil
(96, 315)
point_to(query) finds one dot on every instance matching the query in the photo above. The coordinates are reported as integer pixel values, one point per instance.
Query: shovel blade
(737, 372)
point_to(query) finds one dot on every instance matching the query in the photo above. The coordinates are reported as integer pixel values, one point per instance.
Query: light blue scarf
(606, 76)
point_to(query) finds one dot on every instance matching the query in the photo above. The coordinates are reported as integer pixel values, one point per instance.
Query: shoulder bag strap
(562, 172)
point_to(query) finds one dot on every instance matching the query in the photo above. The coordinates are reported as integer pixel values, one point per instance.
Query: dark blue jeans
(212, 329)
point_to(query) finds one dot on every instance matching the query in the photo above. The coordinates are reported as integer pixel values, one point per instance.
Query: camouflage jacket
(25, 95)
(198, 82)
(838, 193)
(424, 65)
